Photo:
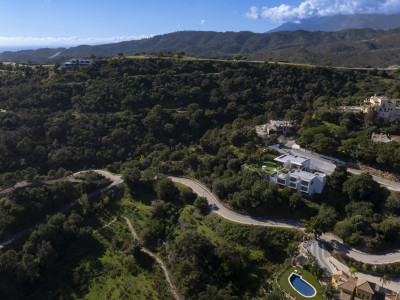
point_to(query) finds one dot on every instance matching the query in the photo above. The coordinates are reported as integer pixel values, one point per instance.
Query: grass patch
(269, 167)
(284, 171)
(284, 282)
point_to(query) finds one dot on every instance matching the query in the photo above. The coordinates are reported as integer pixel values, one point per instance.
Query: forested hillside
(347, 48)
(125, 108)
(147, 117)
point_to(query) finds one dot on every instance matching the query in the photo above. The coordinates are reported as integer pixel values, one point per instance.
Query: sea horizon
(20, 48)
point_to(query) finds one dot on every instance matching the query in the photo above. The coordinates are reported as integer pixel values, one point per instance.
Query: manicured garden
(307, 276)
(269, 167)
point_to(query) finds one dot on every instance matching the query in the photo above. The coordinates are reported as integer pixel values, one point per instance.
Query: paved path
(159, 261)
(226, 213)
(115, 181)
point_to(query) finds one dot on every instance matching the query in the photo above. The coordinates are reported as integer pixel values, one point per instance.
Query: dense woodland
(146, 117)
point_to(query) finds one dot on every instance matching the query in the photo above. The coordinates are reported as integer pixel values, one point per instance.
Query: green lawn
(284, 282)
(270, 167)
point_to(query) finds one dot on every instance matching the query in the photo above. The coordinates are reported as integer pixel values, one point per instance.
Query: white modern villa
(294, 172)
(76, 63)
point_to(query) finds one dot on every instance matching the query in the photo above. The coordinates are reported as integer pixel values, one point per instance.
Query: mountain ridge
(349, 48)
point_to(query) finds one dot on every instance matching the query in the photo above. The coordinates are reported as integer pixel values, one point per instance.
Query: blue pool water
(303, 287)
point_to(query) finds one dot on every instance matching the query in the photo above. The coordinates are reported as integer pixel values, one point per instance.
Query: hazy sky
(71, 22)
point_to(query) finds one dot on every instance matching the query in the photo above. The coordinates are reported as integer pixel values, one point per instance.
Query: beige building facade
(385, 109)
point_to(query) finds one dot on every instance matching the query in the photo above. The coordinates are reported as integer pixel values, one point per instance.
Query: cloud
(64, 41)
(319, 8)
(202, 22)
(253, 13)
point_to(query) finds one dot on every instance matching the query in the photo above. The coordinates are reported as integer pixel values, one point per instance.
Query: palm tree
(385, 280)
(327, 290)
(352, 271)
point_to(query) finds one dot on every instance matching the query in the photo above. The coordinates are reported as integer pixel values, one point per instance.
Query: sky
(39, 23)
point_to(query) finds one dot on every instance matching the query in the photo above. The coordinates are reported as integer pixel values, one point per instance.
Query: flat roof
(294, 159)
(302, 175)
(307, 176)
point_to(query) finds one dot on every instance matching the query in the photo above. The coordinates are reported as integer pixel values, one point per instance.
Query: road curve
(226, 213)
(201, 190)
(386, 257)
(316, 248)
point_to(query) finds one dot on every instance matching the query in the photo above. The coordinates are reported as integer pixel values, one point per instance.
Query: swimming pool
(301, 286)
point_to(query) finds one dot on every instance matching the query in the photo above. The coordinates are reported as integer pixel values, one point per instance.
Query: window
(304, 182)
(281, 181)
(293, 179)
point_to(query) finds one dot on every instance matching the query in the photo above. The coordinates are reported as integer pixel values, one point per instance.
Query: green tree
(338, 177)
(327, 290)
(131, 177)
(352, 271)
(201, 204)
(294, 115)
(392, 204)
(385, 279)
(361, 187)
(325, 145)
(316, 226)
(46, 254)
(84, 202)
(166, 189)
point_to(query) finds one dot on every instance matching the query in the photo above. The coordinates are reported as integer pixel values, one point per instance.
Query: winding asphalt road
(226, 213)
(316, 248)
(377, 258)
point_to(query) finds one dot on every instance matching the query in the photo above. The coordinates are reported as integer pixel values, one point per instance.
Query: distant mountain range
(342, 22)
(349, 48)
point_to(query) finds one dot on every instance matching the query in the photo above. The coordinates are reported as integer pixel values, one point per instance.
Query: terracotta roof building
(363, 289)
